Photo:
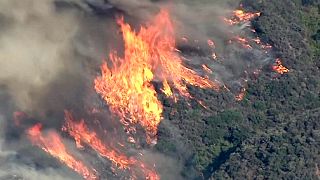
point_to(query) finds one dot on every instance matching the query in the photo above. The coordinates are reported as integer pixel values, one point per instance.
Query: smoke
(50, 51)
(35, 48)
(18, 161)
(41, 73)
(200, 21)
(168, 167)
(18, 171)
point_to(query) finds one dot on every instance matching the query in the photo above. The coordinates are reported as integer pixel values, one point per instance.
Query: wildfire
(258, 41)
(207, 69)
(127, 83)
(81, 134)
(241, 95)
(166, 89)
(52, 144)
(239, 16)
(214, 56)
(244, 42)
(279, 68)
(149, 55)
(242, 16)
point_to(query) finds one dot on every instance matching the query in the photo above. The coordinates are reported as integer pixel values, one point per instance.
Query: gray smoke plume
(41, 73)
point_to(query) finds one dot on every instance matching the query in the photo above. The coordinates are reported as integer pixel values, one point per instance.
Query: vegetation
(274, 132)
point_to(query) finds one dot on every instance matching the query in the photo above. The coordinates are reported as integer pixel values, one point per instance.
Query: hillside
(274, 132)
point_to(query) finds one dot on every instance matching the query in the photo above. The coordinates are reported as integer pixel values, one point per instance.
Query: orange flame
(52, 144)
(214, 56)
(166, 88)
(258, 41)
(241, 95)
(149, 55)
(279, 68)
(244, 42)
(206, 69)
(239, 16)
(242, 16)
(81, 134)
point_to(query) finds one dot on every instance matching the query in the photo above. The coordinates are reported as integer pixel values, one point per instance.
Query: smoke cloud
(50, 51)
(35, 48)
(41, 73)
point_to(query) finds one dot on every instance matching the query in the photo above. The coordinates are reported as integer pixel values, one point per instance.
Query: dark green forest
(274, 133)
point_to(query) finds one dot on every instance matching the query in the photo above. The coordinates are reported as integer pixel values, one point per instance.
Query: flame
(214, 56)
(126, 84)
(149, 55)
(244, 42)
(258, 41)
(166, 89)
(239, 16)
(279, 68)
(242, 16)
(241, 95)
(52, 144)
(207, 69)
(81, 134)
